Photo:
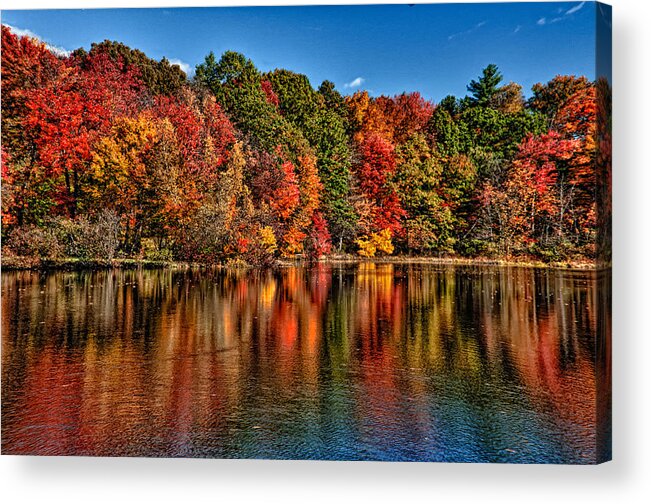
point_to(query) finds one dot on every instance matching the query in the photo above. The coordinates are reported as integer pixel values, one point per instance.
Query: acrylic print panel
(343, 232)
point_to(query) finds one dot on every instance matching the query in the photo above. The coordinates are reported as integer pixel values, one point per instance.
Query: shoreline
(13, 263)
(464, 261)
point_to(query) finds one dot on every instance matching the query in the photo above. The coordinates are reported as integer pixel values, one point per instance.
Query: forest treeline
(108, 153)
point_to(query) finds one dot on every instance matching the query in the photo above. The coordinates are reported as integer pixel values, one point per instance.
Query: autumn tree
(570, 106)
(374, 172)
(67, 116)
(394, 118)
(238, 85)
(508, 99)
(603, 169)
(27, 66)
(549, 97)
(114, 152)
(429, 219)
(224, 226)
(324, 129)
(159, 77)
(530, 208)
(121, 175)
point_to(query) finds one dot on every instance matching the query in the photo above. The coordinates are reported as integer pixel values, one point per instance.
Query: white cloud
(355, 83)
(574, 9)
(19, 32)
(182, 65)
(544, 21)
(467, 32)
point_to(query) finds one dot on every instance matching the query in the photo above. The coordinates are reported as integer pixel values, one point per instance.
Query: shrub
(106, 231)
(383, 241)
(260, 250)
(204, 237)
(267, 240)
(320, 241)
(474, 248)
(366, 247)
(376, 242)
(153, 252)
(32, 241)
(88, 239)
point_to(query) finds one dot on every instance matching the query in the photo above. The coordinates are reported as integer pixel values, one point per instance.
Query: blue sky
(435, 49)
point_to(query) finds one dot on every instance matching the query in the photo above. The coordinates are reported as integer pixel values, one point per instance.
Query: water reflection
(370, 361)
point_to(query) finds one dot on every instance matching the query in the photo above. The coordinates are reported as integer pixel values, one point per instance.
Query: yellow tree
(121, 173)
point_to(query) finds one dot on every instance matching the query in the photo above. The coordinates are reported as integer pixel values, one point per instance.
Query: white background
(625, 480)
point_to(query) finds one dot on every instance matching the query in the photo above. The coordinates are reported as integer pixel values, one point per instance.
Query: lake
(371, 361)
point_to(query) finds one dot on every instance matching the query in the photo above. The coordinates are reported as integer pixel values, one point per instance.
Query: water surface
(354, 362)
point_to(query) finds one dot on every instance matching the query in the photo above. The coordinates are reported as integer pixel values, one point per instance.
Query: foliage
(84, 238)
(33, 241)
(159, 77)
(419, 184)
(374, 243)
(484, 89)
(508, 99)
(374, 172)
(393, 118)
(548, 98)
(603, 170)
(108, 152)
(81, 238)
